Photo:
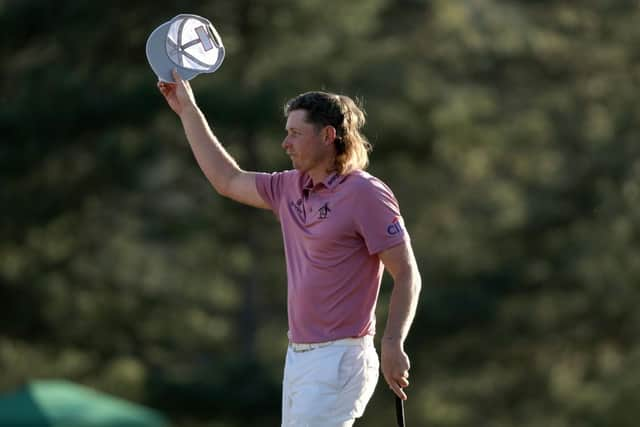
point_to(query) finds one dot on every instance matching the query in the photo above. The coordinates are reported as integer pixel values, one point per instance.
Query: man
(340, 226)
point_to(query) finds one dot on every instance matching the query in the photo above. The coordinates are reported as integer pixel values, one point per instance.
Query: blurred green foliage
(507, 129)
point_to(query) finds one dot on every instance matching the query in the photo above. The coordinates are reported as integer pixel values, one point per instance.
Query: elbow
(222, 184)
(417, 283)
(415, 279)
(222, 189)
(410, 280)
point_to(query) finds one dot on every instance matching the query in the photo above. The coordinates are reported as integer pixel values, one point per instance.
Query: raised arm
(401, 264)
(218, 166)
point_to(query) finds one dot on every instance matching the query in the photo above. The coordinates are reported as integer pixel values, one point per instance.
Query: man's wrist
(190, 110)
(392, 339)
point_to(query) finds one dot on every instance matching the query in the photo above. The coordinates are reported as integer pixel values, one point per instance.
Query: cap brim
(158, 59)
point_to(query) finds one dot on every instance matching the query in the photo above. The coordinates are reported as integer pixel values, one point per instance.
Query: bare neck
(322, 171)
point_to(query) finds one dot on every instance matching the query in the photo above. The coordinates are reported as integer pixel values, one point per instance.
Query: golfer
(341, 227)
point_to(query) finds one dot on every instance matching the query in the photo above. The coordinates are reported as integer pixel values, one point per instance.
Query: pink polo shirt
(332, 234)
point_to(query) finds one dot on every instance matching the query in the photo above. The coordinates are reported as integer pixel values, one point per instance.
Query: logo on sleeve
(395, 227)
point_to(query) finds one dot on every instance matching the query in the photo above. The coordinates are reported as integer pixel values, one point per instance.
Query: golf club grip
(400, 412)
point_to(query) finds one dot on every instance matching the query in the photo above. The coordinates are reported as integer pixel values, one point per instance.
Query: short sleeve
(271, 187)
(378, 219)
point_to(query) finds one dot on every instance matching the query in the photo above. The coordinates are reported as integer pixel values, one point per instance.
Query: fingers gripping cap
(188, 43)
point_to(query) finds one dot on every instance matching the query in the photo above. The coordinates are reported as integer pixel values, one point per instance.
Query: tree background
(507, 129)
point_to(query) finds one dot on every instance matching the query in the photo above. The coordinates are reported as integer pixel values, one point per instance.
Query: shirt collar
(330, 182)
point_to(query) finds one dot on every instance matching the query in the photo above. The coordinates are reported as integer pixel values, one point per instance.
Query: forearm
(216, 163)
(402, 306)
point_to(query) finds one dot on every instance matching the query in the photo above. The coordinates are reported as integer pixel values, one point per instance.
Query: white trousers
(328, 385)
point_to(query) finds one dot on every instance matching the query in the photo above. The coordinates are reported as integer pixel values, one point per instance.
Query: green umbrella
(65, 404)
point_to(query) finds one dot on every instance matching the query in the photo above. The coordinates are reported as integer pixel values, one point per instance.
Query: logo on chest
(301, 210)
(324, 211)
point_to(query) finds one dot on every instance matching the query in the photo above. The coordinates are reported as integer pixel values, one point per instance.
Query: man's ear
(329, 134)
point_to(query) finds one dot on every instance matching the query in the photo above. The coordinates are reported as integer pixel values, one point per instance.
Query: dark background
(508, 130)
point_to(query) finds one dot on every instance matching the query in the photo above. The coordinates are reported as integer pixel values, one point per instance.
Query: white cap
(188, 43)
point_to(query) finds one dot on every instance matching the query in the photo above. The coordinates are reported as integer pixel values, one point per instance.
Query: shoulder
(364, 183)
(287, 177)
(273, 186)
(288, 174)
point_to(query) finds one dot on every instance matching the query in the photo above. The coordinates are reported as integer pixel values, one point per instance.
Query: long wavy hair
(341, 112)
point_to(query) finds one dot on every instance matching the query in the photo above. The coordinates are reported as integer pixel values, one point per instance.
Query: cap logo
(205, 38)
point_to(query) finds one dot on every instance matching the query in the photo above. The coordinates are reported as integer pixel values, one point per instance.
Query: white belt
(299, 348)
